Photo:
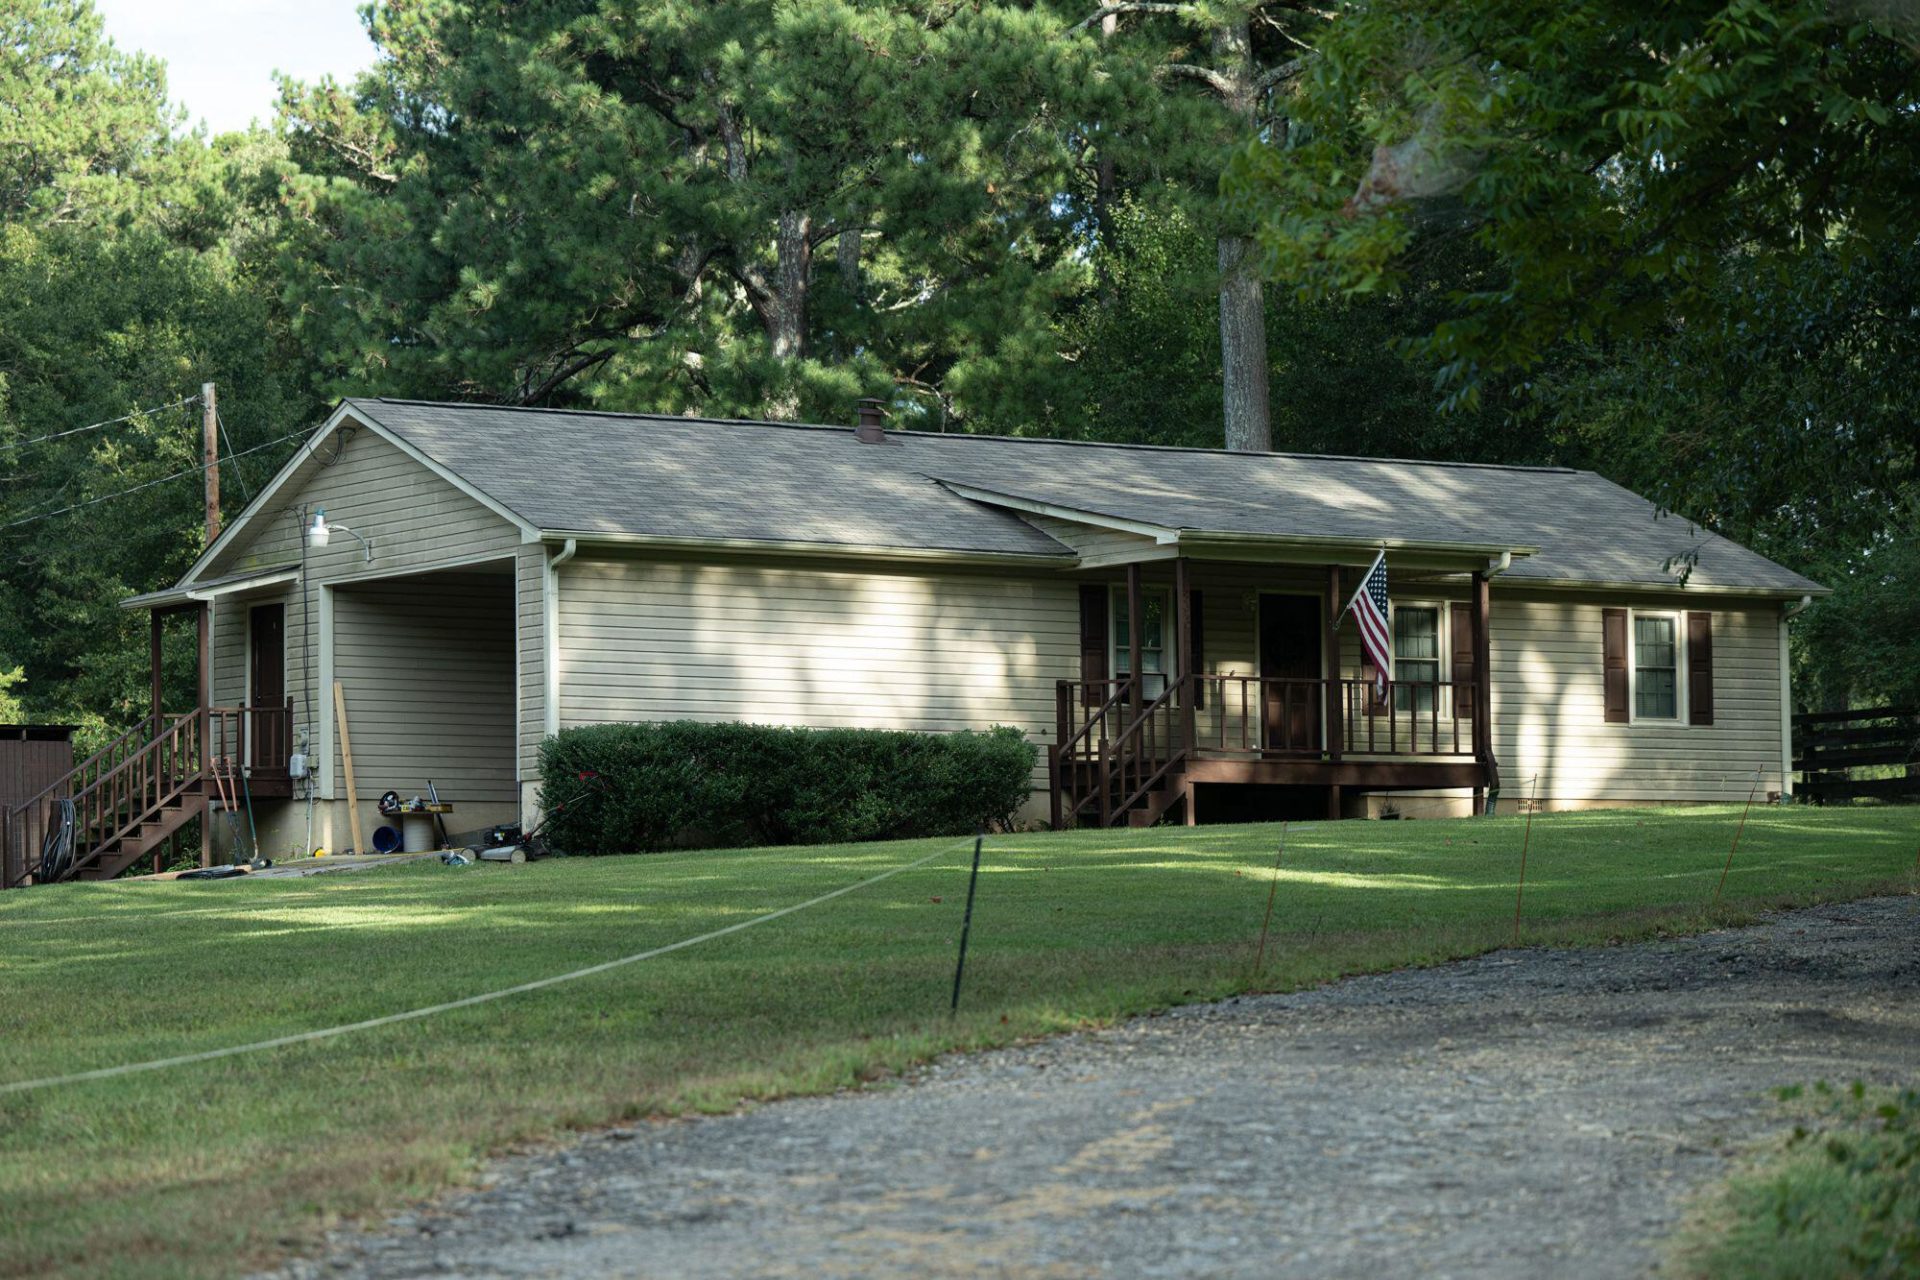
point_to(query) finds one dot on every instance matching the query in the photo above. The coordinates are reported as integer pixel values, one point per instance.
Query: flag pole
(1364, 579)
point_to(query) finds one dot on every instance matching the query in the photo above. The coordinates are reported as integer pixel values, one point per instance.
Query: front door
(1290, 691)
(266, 686)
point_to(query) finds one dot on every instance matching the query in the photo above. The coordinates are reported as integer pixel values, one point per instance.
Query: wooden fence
(1830, 746)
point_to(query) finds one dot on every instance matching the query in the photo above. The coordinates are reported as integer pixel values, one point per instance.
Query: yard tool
(439, 822)
(533, 844)
(229, 797)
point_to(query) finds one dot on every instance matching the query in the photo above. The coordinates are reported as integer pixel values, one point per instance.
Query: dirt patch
(1526, 1113)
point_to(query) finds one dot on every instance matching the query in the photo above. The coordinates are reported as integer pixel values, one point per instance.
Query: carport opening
(428, 667)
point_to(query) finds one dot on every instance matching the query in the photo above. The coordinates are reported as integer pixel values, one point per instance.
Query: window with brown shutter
(1700, 668)
(1462, 662)
(1093, 644)
(1613, 632)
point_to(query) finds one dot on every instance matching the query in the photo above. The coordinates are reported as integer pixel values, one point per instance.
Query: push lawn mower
(510, 844)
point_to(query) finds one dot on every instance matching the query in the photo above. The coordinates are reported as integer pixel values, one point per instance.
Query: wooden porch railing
(123, 784)
(1268, 716)
(1124, 747)
(1115, 744)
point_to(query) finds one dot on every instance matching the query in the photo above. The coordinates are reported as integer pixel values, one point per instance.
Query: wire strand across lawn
(465, 1002)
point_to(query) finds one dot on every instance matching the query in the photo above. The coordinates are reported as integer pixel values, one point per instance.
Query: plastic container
(386, 840)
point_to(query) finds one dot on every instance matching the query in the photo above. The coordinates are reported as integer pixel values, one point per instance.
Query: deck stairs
(1126, 763)
(123, 801)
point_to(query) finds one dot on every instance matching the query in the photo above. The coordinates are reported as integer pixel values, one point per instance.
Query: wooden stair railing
(1111, 775)
(136, 789)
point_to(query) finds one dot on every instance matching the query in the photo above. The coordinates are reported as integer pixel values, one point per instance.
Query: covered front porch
(1239, 695)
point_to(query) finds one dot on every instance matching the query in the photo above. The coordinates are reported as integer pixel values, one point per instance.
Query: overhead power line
(245, 491)
(189, 471)
(95, 426)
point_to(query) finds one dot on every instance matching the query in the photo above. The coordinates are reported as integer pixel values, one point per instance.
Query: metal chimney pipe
(872, 427)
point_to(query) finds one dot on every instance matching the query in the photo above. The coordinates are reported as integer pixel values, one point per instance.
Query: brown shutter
(1613, 630)
(1197, 660)
(1462, 662)
(1700, 668)
(1093, 643)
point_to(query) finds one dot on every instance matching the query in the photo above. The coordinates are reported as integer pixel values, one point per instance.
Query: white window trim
(1116, 596)
(1443, 635)
(1680, 685)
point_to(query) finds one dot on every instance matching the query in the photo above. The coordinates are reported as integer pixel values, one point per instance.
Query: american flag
(1369, 606)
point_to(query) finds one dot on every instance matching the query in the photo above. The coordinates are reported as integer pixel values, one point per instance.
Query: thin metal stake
(966, 926)
(1736, 838)
(1260, 960)
(1526, 839)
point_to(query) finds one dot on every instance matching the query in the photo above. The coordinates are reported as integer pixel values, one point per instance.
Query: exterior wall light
(321, 531)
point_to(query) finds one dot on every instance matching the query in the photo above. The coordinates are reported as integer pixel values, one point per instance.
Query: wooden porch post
(1336, 731)
(203, 618)
(154, 625)
(1483, 678)
(1184, 669)
(1135, 685)
(1183, 645)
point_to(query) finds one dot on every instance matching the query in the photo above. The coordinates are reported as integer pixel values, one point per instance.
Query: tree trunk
(1243, 315)
(783, 310)
(1243, 350)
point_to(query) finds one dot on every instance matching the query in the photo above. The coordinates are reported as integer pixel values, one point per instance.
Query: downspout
(1788, 613)
(1483, 664)
(551, 630)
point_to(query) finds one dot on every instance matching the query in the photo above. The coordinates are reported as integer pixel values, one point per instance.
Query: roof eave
(356, 412)
(1367, 547)
(182, 595)
(1751, 592)
(1064, 558)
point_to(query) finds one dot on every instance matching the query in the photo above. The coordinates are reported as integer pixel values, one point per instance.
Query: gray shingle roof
(779, 482)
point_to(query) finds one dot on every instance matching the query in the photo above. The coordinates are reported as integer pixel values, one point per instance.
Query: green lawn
(215, 1167)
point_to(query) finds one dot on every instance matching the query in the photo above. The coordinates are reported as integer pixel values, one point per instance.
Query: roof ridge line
(971, 435)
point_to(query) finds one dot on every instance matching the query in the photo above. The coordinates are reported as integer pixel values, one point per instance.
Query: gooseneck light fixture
(321, 531)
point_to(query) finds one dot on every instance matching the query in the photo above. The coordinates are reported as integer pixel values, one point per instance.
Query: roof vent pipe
(872, 426)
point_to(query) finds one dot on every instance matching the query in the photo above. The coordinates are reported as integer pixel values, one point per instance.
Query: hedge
(686, 784)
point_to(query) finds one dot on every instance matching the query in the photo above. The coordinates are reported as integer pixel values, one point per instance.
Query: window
(1416, 656)
(1156, 639)
(1656, 667)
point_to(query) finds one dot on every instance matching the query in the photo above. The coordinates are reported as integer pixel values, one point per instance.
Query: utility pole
(210, 450)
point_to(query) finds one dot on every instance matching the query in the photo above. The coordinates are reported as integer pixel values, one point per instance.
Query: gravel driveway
(1529, 1113)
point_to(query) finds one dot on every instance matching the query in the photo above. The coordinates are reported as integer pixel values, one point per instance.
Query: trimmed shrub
(685, 784)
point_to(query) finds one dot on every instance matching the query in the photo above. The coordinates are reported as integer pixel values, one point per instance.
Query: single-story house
(475, 578)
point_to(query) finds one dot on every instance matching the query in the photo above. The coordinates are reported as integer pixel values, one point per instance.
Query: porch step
(140, 840)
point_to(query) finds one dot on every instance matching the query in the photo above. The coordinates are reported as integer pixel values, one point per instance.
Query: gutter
(1788, 612)
(550, 632)
(176, 596)
(1361, 546)
(862, 551)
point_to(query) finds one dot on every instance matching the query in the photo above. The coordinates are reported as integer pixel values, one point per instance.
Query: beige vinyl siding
(1549, 711)
(229, 643)
(887, 649)
(416, 520)
(1100, 547)
(428, 670)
